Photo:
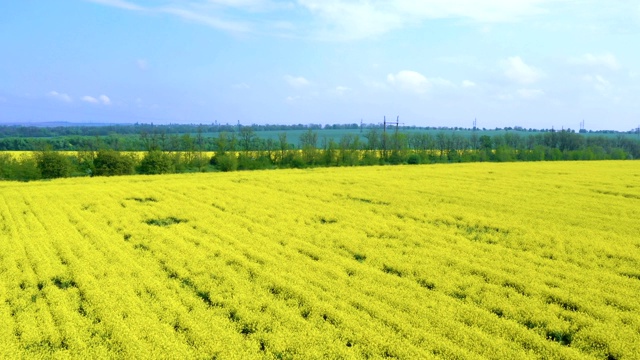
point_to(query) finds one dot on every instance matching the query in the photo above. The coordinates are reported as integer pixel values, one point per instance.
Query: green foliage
(6, 166)
(261, 147)
(156, 162)
(413, 159)
(226, 162)
(164, 221)
(25, 169)
(53, 164)
(110, 162)
(249, 162)
(370, 158)
(396, 157)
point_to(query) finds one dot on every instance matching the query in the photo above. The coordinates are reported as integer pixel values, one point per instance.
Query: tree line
(244, 150)
(127, 137)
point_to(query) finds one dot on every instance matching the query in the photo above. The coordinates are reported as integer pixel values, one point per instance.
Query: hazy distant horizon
(440, 63)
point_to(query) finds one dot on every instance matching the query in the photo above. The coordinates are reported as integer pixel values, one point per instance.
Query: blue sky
(530, 63)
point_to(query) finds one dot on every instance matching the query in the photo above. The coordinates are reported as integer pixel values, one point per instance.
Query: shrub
(156, 162)
(226, 162)
(53, 164)
(413, 159)
(110, 162)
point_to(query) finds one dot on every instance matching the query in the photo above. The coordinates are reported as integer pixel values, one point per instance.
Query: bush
(370, 158)
(53, 164)
(396, 158)
(413, 159)
(110, 162)
(226, 162)
(156, 162)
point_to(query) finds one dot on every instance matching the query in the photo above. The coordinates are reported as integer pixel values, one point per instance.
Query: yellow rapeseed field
(470, 261)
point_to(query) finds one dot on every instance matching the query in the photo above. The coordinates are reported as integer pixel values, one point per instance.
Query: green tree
(227, 162)
(111, 162)
(309, 145)
(156, 162)
(247, 137)
(53, 164)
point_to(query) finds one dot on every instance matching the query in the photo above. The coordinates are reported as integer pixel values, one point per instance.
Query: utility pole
(384, 138)
(397, 124)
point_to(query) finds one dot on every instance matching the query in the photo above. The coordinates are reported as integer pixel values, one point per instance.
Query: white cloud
(291, 98)
(341, 90)
(199, 12)
(468, 84)
(296, 81)
(598, 82)
(353, 19)
(409, 80)
(530, 94)
(338, 19)
(105, 99)
(119, 4)
(346, 20)
(517, 70)
(605, 60)
(58, 96)
(89, 99)
(206, 19)
(413, 81)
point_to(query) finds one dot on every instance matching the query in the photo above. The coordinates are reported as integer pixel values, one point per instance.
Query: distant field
(470, 261)
(293, 136)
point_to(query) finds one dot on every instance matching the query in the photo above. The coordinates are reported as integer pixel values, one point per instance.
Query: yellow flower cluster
(471, 261)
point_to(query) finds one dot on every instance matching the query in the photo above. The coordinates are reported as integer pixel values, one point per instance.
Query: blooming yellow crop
(470, 261)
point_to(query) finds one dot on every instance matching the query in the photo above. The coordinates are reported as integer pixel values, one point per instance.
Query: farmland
(467, 261)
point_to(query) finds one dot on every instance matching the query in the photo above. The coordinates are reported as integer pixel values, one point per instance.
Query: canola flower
(470, 261)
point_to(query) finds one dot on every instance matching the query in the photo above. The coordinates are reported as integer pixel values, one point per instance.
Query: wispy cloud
(517, 70)
(413, 81)
(89, 99)
(599, 83)
(296, 81)
(206, 19)
(104, 99)
(607, 60)
(122, 4)
(200, 12)
(59, 96)
(468, 84)
(354, 19)
(338, 19)
(530, 94)
(409, 80)
(341, 90)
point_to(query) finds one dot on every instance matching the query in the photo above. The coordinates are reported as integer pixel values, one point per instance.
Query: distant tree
(247, 136)
(283, 145)
(309, 145)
